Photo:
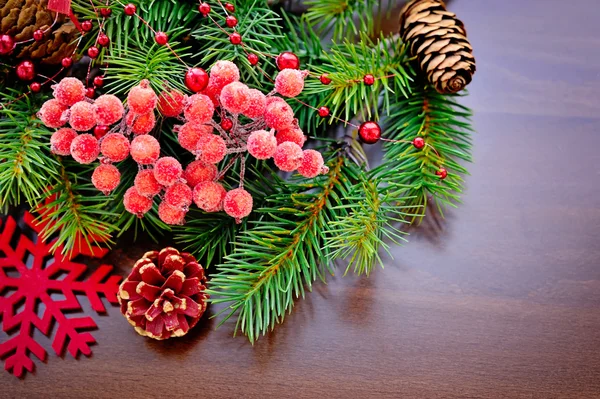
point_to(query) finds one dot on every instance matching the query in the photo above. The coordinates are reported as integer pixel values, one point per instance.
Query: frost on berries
(141, 123)
(60, 142)
(237, 204)
(145, 149)
(115, 147)
(170, 214)
(293, 134)
(53, 113)
(290, 82)
(198, 172)
(109, 109)
(141, 98)
(199, 109)
(312, 164)
(145, 183)
(179, 195)
(83, 116)
(171, 103)
(106, 178)
(209, 196)
(288, 156)
(262, 144)
(136, 203)
(69, 91)
(190, 133)
(211, 148)
(235, 97)
(167, 170)
(85, 148)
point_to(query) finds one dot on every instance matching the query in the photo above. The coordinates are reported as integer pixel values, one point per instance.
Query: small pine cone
(439, 41)
(164, 296)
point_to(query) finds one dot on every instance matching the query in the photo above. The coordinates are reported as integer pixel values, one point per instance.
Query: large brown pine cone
(20, 18)
(439, 41)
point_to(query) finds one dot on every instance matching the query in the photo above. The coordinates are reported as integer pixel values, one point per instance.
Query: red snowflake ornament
(34, 284)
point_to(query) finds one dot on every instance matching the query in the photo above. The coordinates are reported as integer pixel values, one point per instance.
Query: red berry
(93, 52)
(442, 173)
(198, 172)
(145, 149)
(7, 44)
(66, 62)
(289, 82)
(171, 103)
(85, 148)
(323, 112)
(167, 170)
(100, 131)
(69, 91)
(287, 60)
(231, 21)
(235, 38)
(419, 142)
(204, 9)
(209, 196)
(190, 133)
(222, 73)
(234, 97)
(256, 104)
(35, 87)
(369, 79)
(279, 115)
(229, 7)
(136, 203)
(109, 109)
(38, 35)
(212, 148)
(105, 12)
(130, 9)
(170, 214)
(161, 38)
(293, 134)
(369, 132)
(196, 79)
(146, 184)
(312, 164)
(83, 116)
(87, 26)
(26, 70)
(262, 144)
(141, 98)
(324, 78)
(179, 195)
(141, 124)
(253, 59)
(90, 92)
(115, 147)
(226, 124)
(60, 142)
(106, 178)
(237, 204)
(103, 39)
(53, 113)
(199, 109)
(288, 156)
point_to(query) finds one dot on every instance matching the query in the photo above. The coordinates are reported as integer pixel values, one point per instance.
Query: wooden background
(500, 300)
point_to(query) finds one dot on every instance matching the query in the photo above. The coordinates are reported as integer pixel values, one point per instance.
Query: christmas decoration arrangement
(235, 129)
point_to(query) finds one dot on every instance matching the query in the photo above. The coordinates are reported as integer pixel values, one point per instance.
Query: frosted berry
(167, 170)
(293, 134)
(101, 131)
(369, 79)
(35, 87)
(109, 109)
(170, 214)
(253, 59)
(238, 204)
(198, 172)
(209, 196)
(289, 82)
(136, 203)
(323, 112)
(226, 124)
(69, 91)
(287, 60)
(161, 38)
(141, 98)
(234, 97)
(235, 38)
(212, 148)
(256, 104)
(60, 142)
(224, 72)
(199, 109)
(196, 79)
(190, 133)
(288, 156)
(419, 142)
(146, 184)
(442, 173)
(262, 144)
(170, 104)
(115, 147)
(212, 91)
(325, 79)
(179, 195)
(145, 149)
(130, 9)
(53, 113)
(93, 52)
(83, 116)
(85, 148)
(312, 164)
(231, 21)
(141, 124)
(369, 132)
(106, 178)
(279, 115)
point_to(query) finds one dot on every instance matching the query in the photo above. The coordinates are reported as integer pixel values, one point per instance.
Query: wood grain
(500, 300)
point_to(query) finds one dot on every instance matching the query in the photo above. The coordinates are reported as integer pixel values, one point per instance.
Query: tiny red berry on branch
(253, 59)
(442, 173)
(235, 38)
(369, 132)
(287, 60)
(323, 112)
(90, 92)
(87, 26)
(26, 70)
(419, 142)
(230, 7)
(231, 21)
(103, 40)
(99, 81)
(204, 9)
(7, 44)
(35, 87)
(105, 12)
(38, 35)
(130, 9)
(369, 79)
(161, 38)
(325, 79)
(66, 62)
(93, 52)
(196, 79)
(101, 131)
(226, 124)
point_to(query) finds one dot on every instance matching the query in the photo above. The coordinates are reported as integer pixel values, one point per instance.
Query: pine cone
(164, 296)
(20, 18)
(439, 41)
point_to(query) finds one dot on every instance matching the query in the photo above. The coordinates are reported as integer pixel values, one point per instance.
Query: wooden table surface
(500, 300)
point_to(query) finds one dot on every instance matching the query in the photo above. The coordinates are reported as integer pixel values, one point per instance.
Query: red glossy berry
(83, 116)
(170, 214)
(130, 9)
(324, 78)
(171, 103)
(60, 142)
(279, 115)
(262, 144)
(53, 113)
(231, 21)
(237, 204)
(234, 97)
(230, 7)
(253, 59)
(35, 87)
(109, 109)
(323, 112)
(87, 26)
(369, 79)
(98, 81)
(105, 12)
(198, 172)
(167, 170)
(106, 178)
(103, 39)
(141, 124)
(115, 147)
(90, 92)
(100, 131)
(190, 133)
(209, 196)
(293, 134)
(257, 102)
(196, 79)
(69, 91)
(93, 52)
(141, 98)
(199, 109)
(145, 149)
(226, 124)
(369, 132)
(26, 70)
(161, 38)
(136, 203)
(204, 9)
(38, 35)
(419, 142)
(212, 148)
(289, 82)
(235, 38)
(442, 173)
(312, 164)
(7, 44)
(67, 62)
(85, 148)
(288, 156)
(146, 184)
(287, 60)
(179, 195)
(222, 73)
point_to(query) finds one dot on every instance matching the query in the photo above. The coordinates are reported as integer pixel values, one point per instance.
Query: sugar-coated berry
(234, 97)
(209, 196)
(199, 109)
(170, 214)
(253, 59)
(136, 203)
(85, 148)
(369, 132)
(93, 52)
(312, 164)
(171, 103)
(196, 79)
(167, 170)
(145, 149)
(60, 142)
(279, 115)
(419, 142)
(53, 113)
(83, 116)
(161, 38)
(35, 87)
(146, 184)
(288, 156)
(141, 98)
(212, 148)
(178, 195)
(141, 124)
(106, 178)
(442, 173)
(289, 82)
(69, 91)
(109, 109)
(115, 147)
(229, 7)
(237, 204)
(101, 131)
(262, 144)
(325, 79)
(204, 8)
(130, 9)
(224, 72)
(212, 91)
(226, 124)
(293, 134)
(231, 21)
(287, 60)
(256, 104)
(190, 133)
(235, 38)
(198, 172)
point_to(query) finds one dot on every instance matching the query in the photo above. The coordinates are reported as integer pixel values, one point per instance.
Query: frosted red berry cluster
(250, 121)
